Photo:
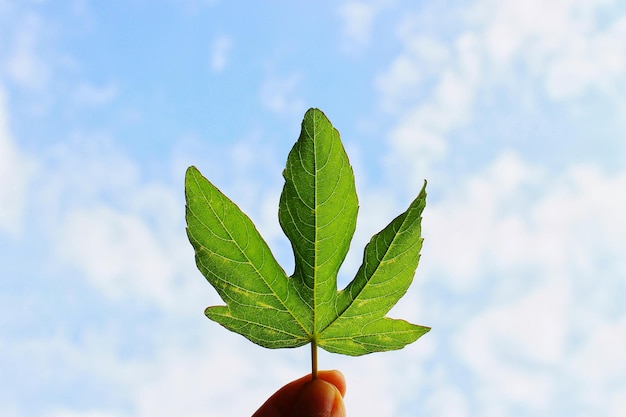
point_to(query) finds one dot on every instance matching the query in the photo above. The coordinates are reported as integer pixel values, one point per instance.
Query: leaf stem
(313, 359)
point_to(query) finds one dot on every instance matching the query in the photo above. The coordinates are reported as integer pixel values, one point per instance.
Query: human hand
(304, 397)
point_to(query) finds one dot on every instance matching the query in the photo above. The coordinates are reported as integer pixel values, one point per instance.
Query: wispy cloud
(572, 45)
(358, 18)
(281, 93)
(25, 64)
(87, 94)
(544, 254)
(436, 82)
(220, 51)
(16, 170)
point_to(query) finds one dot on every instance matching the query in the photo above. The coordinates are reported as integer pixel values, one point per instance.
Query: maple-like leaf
(317, 211)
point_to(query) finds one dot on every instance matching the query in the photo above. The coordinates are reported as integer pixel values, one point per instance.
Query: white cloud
(216, 376)
(566, 43)
(220, 50)
(600, 356)
(546, 253)
(25, 64)
(15, 172)
(124, 235)
(120, 253)
(512, 347)
(218, 373)
(85, 169)
(536, 218)
(197, 5)
(280, 94)
(562, 50)
(424, 57)
(92, 95)
(487, 208)
(419, 138)
(358, 18)
(446, 401)
(70, 413)
(222, 374)
(200, 384)
(523, 354)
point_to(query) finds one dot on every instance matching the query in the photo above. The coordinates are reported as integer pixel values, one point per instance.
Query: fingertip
(319, 398)
(339, 409)
(334, 377)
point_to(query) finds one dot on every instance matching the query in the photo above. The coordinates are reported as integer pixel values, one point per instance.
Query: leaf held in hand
(317, 211)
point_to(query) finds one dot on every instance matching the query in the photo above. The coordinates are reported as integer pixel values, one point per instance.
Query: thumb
(319, 398)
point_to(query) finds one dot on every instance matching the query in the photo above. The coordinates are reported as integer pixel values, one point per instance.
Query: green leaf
(317, 211)
(235, 259)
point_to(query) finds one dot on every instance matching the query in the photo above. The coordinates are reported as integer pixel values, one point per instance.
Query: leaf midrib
(314, 336)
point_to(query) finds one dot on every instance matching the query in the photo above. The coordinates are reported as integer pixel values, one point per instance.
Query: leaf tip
(191, 170)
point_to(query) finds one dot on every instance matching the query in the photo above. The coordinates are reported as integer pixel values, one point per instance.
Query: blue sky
(513, 111)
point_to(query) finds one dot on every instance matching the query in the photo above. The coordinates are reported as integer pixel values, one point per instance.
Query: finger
(282, 402)
(318, 398)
